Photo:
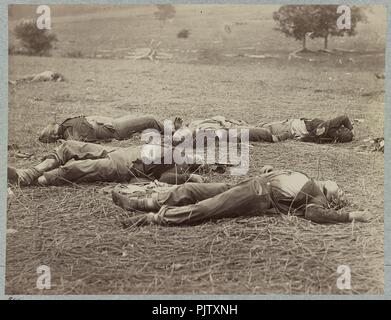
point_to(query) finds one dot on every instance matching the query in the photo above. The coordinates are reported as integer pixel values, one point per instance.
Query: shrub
(183, 34)
(35, 41)
(14, 46)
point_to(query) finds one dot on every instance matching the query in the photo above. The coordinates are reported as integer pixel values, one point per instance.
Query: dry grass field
(75, 229)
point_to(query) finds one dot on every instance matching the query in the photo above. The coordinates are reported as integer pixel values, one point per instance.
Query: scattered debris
(10, 193)
(231, 55)
(13, 146)
(253, 56)
(23, 155)
(256, 56)
(14, 151)
(18, 154)
(371, 93)
(325, 51)
(176, 266)
(141, 187)
(247, 48)
(344, 50)
(240, 23)
(380, 76)
(227, 29)
(150, 53)
(294, 55)
(372, 144)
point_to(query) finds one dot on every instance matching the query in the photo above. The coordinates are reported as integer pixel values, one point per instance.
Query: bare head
(344, 135)
(49, 133)
(57, 76)
(334, 194)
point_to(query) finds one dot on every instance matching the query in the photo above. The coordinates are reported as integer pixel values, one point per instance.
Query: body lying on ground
(41, 77)
(221, 123)
(338, 129)
(273, 192)
(97, 128)
(75, 161)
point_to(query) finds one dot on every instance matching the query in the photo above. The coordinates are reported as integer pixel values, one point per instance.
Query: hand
(320, 131)
(196, 178)
(361, 216)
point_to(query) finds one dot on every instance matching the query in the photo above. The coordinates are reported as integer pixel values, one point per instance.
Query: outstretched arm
(319, 214)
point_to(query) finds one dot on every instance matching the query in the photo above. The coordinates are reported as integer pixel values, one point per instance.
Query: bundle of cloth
(372, 145)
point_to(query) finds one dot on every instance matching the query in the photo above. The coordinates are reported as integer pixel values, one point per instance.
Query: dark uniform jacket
(78, 128)
(331, 128)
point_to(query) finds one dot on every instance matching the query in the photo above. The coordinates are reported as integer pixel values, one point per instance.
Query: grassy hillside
(113, 31)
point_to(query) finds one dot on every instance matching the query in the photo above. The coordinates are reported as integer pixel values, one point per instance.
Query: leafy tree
(294, 21)
(318, 21)
(34, 40)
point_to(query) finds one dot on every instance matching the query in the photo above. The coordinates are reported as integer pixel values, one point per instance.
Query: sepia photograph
(188, 149)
